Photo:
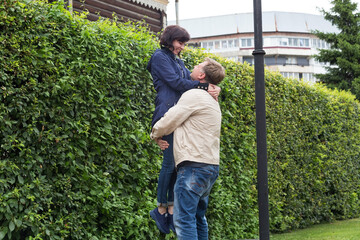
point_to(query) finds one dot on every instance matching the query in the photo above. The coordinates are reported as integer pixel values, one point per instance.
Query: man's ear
(202, 76)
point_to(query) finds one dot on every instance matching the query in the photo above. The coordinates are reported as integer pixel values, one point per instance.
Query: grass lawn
(339, 230)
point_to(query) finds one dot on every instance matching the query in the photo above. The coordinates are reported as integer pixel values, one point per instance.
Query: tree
(344, 54)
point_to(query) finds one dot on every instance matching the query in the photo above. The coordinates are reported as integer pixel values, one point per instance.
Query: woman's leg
(167, 176)
(165, 190)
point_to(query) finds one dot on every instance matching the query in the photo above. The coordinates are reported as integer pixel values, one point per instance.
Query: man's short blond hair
(214, 72)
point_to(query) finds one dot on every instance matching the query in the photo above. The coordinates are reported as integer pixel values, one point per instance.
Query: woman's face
(178, 47)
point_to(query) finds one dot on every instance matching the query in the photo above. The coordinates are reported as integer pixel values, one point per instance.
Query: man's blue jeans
(192, 189)
(167, 176)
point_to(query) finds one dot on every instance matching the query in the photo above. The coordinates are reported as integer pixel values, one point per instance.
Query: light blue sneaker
(160, 220)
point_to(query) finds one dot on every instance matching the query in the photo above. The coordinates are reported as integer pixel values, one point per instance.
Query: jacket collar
(168, 52)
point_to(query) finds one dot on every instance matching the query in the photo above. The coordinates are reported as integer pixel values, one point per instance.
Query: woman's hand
(214, 91)
(162, 143)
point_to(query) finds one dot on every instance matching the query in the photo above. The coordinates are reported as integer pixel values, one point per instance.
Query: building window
(243, 42)
(293, 41)
(207, 45)
(305, 76)
(291, 61)
(303, 61)
(247, 42)
(270, 61)
(217, 44)
(234, 58)
(284, 74)
(249, 60)
(302, 42)
(236, 42)
(284, 41)
(271, 41)
(220, 44)
(210, 45)
(317, 43)
(194, 45)
(290, 74)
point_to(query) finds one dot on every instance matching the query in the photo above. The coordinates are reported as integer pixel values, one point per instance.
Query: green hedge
(76, 160)
(314, 154)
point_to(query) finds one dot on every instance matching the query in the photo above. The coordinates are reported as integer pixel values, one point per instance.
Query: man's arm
(175, 116)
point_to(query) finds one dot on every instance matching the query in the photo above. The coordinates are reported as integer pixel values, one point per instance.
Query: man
(196, 122)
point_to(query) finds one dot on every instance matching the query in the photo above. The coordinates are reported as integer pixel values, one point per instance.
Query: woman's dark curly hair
(171, 33)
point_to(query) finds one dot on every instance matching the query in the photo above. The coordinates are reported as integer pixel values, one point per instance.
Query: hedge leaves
(76, 160)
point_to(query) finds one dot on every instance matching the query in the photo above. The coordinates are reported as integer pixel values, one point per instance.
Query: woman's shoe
(161, 220)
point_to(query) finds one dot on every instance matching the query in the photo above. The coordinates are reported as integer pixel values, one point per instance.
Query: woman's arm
(162, 143)
(166, 70)
(214, 91)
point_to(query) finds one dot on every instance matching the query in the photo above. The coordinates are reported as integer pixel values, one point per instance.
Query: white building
(287, 40)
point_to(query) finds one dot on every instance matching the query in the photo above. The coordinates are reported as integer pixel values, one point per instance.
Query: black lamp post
(262, 178)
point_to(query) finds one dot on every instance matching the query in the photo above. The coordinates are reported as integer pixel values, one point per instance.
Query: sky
(205, 8)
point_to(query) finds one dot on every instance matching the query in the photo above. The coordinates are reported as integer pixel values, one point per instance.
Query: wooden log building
(153, 12)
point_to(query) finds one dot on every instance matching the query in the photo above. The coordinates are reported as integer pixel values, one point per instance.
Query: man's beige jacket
(196, 123)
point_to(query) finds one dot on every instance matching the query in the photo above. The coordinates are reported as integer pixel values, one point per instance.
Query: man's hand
(214, 91)
(162, 143)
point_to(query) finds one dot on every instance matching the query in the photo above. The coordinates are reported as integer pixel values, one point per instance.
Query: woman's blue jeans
(167, 177)
(192, 189)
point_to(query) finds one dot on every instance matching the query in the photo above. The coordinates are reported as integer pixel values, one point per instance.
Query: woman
(171, 78)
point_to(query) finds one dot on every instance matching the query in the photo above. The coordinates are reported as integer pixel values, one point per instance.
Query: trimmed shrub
(313, 154)
(76, 160)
